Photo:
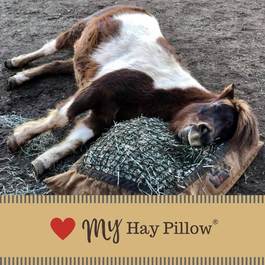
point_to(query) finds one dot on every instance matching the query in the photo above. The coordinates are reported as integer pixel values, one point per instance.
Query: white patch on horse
(136, 48)
(79, 135)
(65, 107)
(21, 77)
(49, 48)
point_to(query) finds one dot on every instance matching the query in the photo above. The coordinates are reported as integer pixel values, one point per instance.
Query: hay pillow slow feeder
(142, 156)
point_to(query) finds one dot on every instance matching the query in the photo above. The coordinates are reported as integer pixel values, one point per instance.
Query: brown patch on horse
(167, 46)
(68, 38)
(97, 30)
(126, 94)
(247, 133)
(122, 89)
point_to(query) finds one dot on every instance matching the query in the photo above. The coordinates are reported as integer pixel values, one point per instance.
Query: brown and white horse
(124, 67)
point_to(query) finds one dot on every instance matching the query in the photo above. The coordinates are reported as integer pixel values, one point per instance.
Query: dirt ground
(220, 41)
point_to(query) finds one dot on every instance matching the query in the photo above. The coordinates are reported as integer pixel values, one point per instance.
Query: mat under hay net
(139, 156)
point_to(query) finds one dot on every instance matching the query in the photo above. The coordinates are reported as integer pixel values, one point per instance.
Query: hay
(16, 174)
(143, 151)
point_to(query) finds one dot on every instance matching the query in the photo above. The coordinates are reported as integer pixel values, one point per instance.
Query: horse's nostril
(203, 128)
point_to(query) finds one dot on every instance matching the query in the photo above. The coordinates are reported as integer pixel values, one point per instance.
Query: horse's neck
(169, 102)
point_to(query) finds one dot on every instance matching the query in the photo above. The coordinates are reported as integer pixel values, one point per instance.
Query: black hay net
(143, 156)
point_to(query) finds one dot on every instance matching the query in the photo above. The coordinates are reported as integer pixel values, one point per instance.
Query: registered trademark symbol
(215, 221)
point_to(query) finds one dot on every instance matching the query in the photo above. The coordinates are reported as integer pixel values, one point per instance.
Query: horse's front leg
(57, 118)
(85, 129)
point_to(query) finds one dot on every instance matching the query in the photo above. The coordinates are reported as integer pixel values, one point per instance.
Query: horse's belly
(137, 48)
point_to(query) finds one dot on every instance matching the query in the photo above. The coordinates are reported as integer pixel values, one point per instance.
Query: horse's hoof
(38, 167)
(11, 83)
(8, 64)
(12, 144)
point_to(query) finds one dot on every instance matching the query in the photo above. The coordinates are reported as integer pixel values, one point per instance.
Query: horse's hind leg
(56, 67)
(21, 60)
(64, 40)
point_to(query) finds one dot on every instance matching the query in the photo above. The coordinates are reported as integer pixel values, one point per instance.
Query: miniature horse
(124, 68)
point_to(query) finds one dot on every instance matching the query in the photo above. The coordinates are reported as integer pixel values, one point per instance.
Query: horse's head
(217, 120)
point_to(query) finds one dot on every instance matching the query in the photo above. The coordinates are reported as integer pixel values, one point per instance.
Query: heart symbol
(62, 228)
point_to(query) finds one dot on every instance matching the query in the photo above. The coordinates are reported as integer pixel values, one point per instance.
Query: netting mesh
(143, 151)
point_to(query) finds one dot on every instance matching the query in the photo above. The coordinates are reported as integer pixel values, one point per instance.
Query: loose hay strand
(16, 175)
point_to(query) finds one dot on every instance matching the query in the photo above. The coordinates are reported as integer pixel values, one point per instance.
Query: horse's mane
(247, 133)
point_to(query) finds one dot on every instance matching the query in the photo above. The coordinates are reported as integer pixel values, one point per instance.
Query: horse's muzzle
(195, 135)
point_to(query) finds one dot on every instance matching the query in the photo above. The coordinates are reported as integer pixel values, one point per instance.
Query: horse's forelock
(246, 134)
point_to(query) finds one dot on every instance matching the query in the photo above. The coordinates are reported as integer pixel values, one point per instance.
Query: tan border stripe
(132, 261)
(132, 199)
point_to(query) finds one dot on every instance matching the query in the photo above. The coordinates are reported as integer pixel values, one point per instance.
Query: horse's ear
(228, 92)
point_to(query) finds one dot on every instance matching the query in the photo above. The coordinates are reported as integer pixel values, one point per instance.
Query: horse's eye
(203, 110)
